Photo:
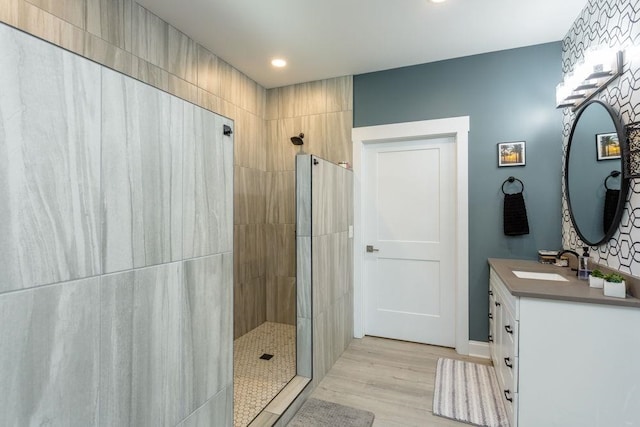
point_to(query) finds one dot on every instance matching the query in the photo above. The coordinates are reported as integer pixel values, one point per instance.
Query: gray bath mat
(468, 392)
(319, 413)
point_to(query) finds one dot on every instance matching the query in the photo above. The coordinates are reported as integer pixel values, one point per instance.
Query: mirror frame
(624, 180)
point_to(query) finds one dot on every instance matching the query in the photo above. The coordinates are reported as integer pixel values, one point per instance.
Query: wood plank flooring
(392, 379)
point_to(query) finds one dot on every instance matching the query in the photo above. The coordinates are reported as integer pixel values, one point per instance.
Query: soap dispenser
(583, 264)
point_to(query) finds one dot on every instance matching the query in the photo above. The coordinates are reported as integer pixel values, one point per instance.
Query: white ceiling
(329, 38)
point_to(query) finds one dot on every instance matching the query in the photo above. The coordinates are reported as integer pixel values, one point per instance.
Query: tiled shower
(117, 247)
(144, 273)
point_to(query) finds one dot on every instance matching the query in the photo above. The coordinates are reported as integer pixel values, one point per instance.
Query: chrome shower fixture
(297, 140)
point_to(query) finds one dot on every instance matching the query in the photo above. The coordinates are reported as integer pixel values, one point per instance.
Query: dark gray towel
(610, 205)
(515, 215)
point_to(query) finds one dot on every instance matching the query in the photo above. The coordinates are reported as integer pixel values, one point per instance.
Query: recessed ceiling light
(278, 62)
(438, 1)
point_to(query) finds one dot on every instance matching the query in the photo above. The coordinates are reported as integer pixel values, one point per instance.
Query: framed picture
(607, 146)
(511, 154)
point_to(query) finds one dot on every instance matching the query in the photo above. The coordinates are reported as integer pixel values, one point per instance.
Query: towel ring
(512, 179)
(613, 174)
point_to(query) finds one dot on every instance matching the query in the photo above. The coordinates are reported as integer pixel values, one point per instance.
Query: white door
(409, 222)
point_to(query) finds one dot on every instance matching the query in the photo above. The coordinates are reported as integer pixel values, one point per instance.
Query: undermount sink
(539, 276)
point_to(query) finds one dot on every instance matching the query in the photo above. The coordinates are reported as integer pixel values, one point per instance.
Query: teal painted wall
(509, 96)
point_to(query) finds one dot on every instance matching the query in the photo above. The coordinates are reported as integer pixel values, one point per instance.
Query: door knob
(370, 248)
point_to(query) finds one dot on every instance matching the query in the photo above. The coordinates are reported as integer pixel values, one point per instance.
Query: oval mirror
(595, 186)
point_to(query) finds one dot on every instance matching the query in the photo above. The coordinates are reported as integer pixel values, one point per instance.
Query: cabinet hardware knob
(506, 395)
(508, 329)
(497, 304)
(507, 361)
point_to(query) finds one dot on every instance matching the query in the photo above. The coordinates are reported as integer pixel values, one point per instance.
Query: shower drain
(266, 356)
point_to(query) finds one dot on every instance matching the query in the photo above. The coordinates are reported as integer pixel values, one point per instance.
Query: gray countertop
(573, 290)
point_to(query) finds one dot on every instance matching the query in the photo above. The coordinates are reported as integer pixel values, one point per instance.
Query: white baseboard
(479, 349)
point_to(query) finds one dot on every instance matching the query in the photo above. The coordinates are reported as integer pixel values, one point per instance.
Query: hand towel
(610, 205)
(515, 215)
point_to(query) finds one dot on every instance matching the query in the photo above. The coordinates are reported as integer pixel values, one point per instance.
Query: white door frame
(458, 127)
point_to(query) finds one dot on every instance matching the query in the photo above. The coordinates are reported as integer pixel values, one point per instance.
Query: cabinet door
(498, 337)
(492, 322)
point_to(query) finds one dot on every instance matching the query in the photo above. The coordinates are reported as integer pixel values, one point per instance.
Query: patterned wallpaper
(612, 23)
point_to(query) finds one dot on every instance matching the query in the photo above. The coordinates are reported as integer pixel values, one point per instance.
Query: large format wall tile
(229, 82)
(281, 250)
(182, 58)
(208, 73)
(249, 195)
(304, 347)
(142, 132)
(50, 355)
(218, 411)
(281, 198)
(325, 182)
(208, 331)
(111, 21)
(49, 27)
(250, 151)
(72, 11)
(339, 146)
(327, 254)
(142, 382)
(325, 271)
(249, 251)
(303, 195)
(249, 299)
(339, 94)
(9, 11)
(303, 276)
(144, 346)
(150, 36)
(49, 163)
(303, 99)
(281, 300)
(208, 185)
(102, 52)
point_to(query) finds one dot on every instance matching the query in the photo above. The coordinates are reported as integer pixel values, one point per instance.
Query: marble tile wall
(142, 154)
(50, 344)
(332, 260)
(325, 262)
(124, 36)
(322, 110)
(50, 227)
(214, 413)
(116, 270)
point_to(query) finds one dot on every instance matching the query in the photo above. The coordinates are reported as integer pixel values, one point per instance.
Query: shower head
(297, 140)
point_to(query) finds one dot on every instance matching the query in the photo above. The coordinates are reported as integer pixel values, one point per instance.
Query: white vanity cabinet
(564, 363)
(503, 341)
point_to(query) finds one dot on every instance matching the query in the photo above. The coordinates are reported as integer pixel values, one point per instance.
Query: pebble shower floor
(257, 381)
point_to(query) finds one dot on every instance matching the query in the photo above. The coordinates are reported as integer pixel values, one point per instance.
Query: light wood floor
(392, 379)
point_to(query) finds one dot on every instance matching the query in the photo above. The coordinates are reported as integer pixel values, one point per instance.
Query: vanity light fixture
(278, 62)
(590, 76)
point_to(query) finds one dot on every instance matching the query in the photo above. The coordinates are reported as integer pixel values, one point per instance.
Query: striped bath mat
(468, 392)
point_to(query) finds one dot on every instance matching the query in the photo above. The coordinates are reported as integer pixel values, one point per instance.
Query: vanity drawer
(505, 296)
(509, 372)
(510, 405)
(510, 330)
(492, 316)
